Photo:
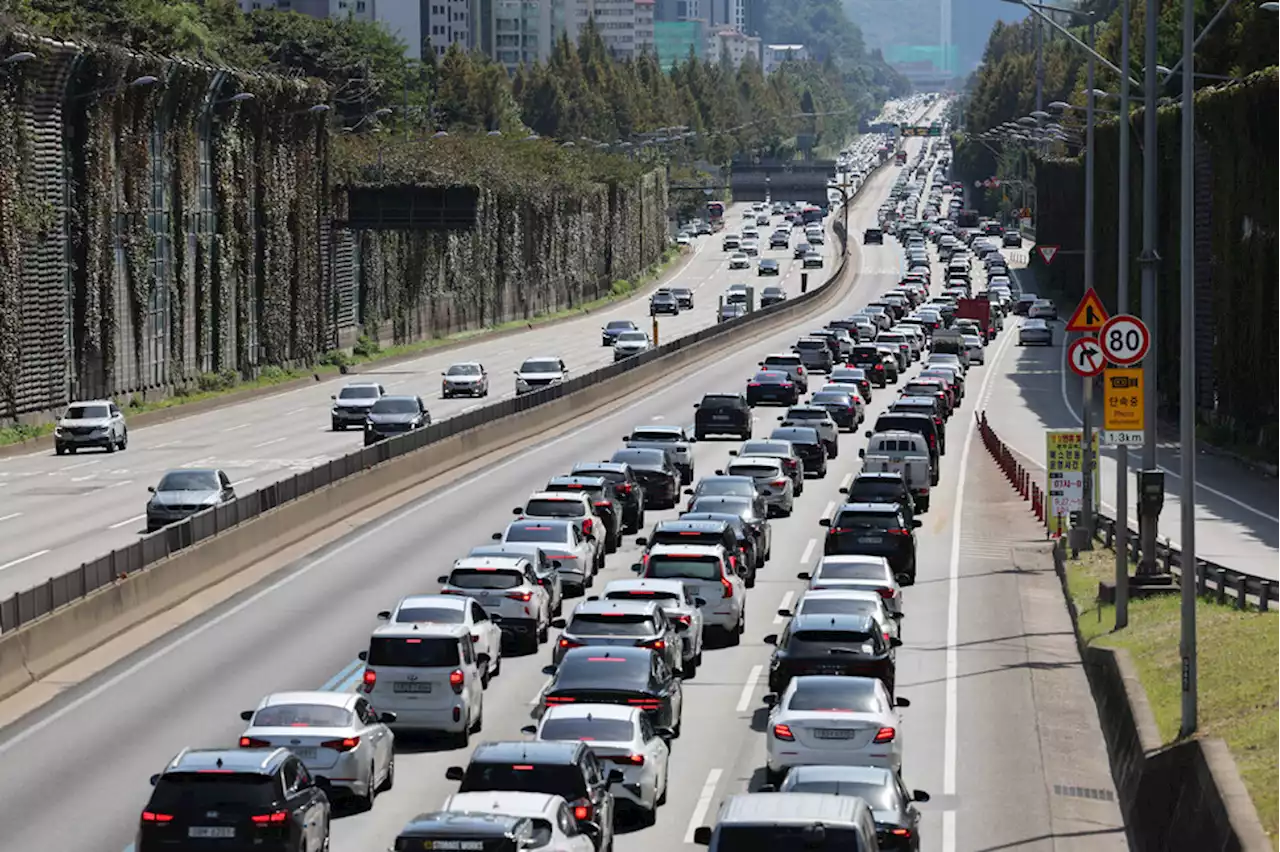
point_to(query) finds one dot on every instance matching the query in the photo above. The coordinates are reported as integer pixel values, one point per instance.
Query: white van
(902, 452)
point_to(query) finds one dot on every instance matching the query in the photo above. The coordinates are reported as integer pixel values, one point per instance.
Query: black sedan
(808, 445)
(841, 407)
(632, 677)
(772, 386)
(664, 302)
(772, 296)
(626, 487)
(395, 415)
(825, 644)
(897, 820)
(869, 359)
(873, 529)
(656, 473)
(768, 266)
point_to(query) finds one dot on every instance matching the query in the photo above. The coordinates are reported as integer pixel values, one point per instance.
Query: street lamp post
(1148, 526)
(1187, 375)
(1087, 406)
(1122, 306)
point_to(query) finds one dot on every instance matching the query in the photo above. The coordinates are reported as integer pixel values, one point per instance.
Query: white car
(580, 557)
(335, 734)
(832, 719)
(464, 379)
(97, 423)
(507, 589)
(850, 571)
(739, 260)
(631, 343)
(1035, 331)
(973, 345)
(705, 569)
(560, 506)
(815, 417)
(538, 373)
(453, 609)
(849, 602)
(677, 600)
(554, 828)
(620, 737)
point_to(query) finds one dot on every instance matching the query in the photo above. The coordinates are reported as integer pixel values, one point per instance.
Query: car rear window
(856, 696)
(665, 567)
(229, 791)
(485, 578)
(880, 798)
(849, 638)
(554, 779)
(429, 615)
(643, 594)
(771, 377)
(811, 344)
(767, 837)
(302, 716)
(688, 537)
(782, 361)
(836, 606)
(413, 652)
(543, 533)
(611, 624)
(756, 471)
(862, 491)
(552, 508)
(587, 729)
(856, 570)
(830, 398)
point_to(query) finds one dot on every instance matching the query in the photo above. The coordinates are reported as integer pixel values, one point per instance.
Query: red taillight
(783, 732)
(656, 644)
(346, 744)
(587, 526)
(779, 483)
(885, 592)
(879, 366)
(628, 759)
(565, 643)
(644, 703)
(559, 699)
(456, 677)
(728, 588)
(601, 504)
(517, 596)
(885, 735)
(754, 384)
(274, 817)
(250, 742)
(152, 816)
(626, 488)
(790, 463)
(898, 532)
(582, 812)
(683, 619)
(932, 441)
(370, 680)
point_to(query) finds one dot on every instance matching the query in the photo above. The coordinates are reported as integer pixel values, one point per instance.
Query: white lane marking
(744, 700)
(470, 408)
(656, 417)
(22, 559)
(121, 482)
(269, 443)
(785, 603)
(74, 466)
(949, 831)
(704, 804)
(533, 702)
(830, 510)
(808, 551)
(243, 481)
(237, 428)
(10, 517)
(846, 483)
(165, 444)
(84, 478)
(297, 410)
(127, 521)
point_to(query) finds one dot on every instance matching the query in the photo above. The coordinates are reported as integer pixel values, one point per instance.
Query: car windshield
(672, 567)
(879, 797)
(540, 366)
(831, 398)
(485, 578)
(413, 652)
(395, 405)
(302, 716)
(429, 615)
(640, 457)
(180, 792)
(87, 412)
(189, 480)
(853, 695)
(620, 325)
(718, 487)
(518, 533)
(554, 779)
(464, 370)
(769, 837)
(836, 606)
(546, 507)
(588, 729)
(359, 392)
(611, 624)
(853, 570)
(633, 337)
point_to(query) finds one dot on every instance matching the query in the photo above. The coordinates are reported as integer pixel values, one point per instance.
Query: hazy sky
(887, 24)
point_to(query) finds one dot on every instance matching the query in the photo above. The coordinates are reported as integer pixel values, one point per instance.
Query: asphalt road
(73, 775)
(60, 511)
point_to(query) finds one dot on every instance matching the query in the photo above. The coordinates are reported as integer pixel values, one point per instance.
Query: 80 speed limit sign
(1124, 340)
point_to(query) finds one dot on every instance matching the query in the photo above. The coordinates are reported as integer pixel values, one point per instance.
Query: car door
(117, 421)
(656, 752)
(489, 635)
(378, 734)
(472, 665)
(302, 802)
(423, 417)
(541, 607)
(665, 683)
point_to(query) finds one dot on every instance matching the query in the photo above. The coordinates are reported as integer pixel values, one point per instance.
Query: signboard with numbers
(1065, 485)
(1124, 412)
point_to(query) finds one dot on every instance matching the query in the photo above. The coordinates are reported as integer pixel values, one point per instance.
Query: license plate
(870, 539)
(402, 686)
(304, 752)
(834, 734)
(828, 670)
(211, 831)
(895, 459)
(719, 417)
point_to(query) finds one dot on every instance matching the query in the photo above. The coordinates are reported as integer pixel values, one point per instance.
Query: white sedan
(336, 734)
(849, 602)
(486, 635)
(739, 260)
(855, 571)
(832, 719)
(973, 345)
(554, 827)
(621, 736)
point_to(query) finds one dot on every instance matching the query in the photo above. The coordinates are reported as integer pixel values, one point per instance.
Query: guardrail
(37, 601)
(1211, 578)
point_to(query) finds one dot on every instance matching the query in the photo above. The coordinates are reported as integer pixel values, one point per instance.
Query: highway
(99, 500)
(1001, 719)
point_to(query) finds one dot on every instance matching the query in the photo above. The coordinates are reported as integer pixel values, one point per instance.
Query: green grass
(214, 385)
(1236, 662)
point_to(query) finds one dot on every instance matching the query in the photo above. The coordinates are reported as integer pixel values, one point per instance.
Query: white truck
(901, 452)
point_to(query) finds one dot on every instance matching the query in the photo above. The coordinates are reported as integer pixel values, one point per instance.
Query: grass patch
(365, 351)
(1237, 653)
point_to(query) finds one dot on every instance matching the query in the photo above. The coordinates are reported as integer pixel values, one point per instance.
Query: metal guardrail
(26, 606)
(1211, 578)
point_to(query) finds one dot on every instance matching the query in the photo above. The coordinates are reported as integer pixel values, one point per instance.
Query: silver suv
(630, 623)
(508, 589)
(96, 423)
(352, 404)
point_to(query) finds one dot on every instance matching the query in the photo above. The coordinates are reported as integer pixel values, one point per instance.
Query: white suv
(97, 423)
(508, 590)
(486, 636)
(706, 570)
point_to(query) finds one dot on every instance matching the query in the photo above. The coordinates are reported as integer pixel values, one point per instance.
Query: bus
(715, 214)
(811, 213)
(967, 219)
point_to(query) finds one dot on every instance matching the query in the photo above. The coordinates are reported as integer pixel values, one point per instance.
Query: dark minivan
(722, 414)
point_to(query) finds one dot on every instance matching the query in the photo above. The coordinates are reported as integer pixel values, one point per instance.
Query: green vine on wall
(12, 232)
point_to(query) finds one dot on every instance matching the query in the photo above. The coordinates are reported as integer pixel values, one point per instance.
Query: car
(338, 734)
(852, 376)
(560, 768)
(769, 266)
(792, 363)
(722, 485)
(705, 569)
(858, 571)
(536, 374)
(832, 719)
(811, 260)
(815, 236)
(874, 529)
(809, 446)
(507, 588)
(564, 542)
(739, 260)
(845, 644)
(722, 414)
(850, 601)
(664, 302)
(460, 605)
(845, 407)
(567, 504)
(604, 501)
(351, 404)
(802, 250)
(751, 247)
(683, 240)
(635, 677)
(1022, 306)
(217, 795)
(870, 360)
(528, 820)
(815, 354)
(674, 439)
(611, 330)
(468, 378)
(710, 529)
(974, 346)
(1035, 331)
(783, 451)
(772, 386)
(94, 423)
(772, 483)
(896, 818)
(624, 624)
(429, 675)
(736, 295)
(881, 487)
(677, 600)
(619, 736)
(1011, 239)
(730, 242)
(545, 568)
(656, 470)
(395, 415)
(182, 493)
(780, 239)
(630, 344)
(730, 311)
(932, 386)
(873, 236)
(1042, 309)
(892, 368)
(750, 511)
(684, 296)
(627, 488)
(815, 417)
(813, 822)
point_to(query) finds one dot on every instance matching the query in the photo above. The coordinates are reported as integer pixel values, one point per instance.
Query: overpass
(787, 181)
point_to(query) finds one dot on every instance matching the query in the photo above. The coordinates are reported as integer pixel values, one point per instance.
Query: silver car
(682, 606)
(182, 493)
(815, 417)
(351, 405)
(335, 734)
(538, 373)
(631, 623)
(545, 567)
(676, 440)
(468, 378)
(1035, 331)
(773, 484)
(631, 343)
(97, 423)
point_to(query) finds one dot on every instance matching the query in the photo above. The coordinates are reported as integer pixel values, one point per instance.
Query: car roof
(900, 434)
(876, 508)
(681, 525)
(772, 461)
(542, 522)
(463, 824)
(213, 470)
(855, 558)
(559, 496)
(515, 803)
(90, 402)
(585, 481)
(361, 385)
(327, 698)
(643, 585)
(602, 607)
(532, 751)
(431, 630)
(255, 761)
(613, 467)
(791, 809)
(465, 364)
(833, 621)
(440, 601)
(790, 433)
(472, 563)
(621, 652)
(660, 427)
(895, 476)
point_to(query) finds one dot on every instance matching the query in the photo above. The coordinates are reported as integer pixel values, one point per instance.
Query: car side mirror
(246, 715)
(733, 452)
(771, 639)
(497, 536)
(901, 702)
(770, 699)
(590, 829)
(555, 563)
(626, 438)
(768, 788)
(919, 796)
(642, 541)
(560, 622)
(824, 522)
(697, 405)
(915, 525)
(151, 488)
(804, 575)
(895, 642)
(862, 454)
(637, 568)
(387, 718)
(443, 578)
(700, 601)
(333, 396)
(323, 783)
(615, 776)
(718, 473)
(688, 492)
(482, 659)
(529, 730)
(897, 616)
(549, 670)
(363, 656)
(517, 510)
(155, 779)
(702, 835)
(786, 613)
(454, 773)
(691, 440)
(591, 598)
(868, 433)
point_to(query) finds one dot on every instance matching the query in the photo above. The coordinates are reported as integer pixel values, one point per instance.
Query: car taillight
(885, 735)
(627, 759)
(582, 812)
(799, 371)
(275, 817)
(250, 742)
(456, 677)
(587, 526)
(932, 440)
(901, 832)
(370, 680)
(898, 532)
(791, 464)
(783, 732)
(656, 644)
(686, 620)
(885, 592)
(345, 744)
(153, 816)
(644, 703)
(601, 504)
(753, 384)
(519, 596)
(879, 366)
(475, 638)
(728, 588)
(568, 643)
(779, 483)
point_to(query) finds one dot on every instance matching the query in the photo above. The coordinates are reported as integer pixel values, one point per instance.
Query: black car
(773, 386)
(802, 250)
(930, 406)
(707, 533)
(767, 266)
(882, 487)
(751, 514)
(395, 415)
(855, 376)
(746, 550)
(815, 354)
(684, 296)
(557, 768)
(626, 487)
(870, 359)
(609, 333)
(874, 529)
(772, 295)
(663, 302)
(849, 645)
(873, 236)
(604, 503)
(632, 677)
(839, 405)
(206, 796)
(656, 473)
(897, 820)
(722, 414)
(455, 830)
(783, 451)
(731, 311)
(779, 239)
(808, 445)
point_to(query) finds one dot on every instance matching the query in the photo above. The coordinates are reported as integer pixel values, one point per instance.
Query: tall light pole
(1122, 306)
(1187, 376)
(1087, 406)
(1148, 528)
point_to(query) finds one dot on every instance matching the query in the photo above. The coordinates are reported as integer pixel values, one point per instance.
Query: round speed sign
(1124, 339)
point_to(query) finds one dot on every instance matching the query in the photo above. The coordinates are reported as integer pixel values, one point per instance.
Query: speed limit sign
(1124, 339)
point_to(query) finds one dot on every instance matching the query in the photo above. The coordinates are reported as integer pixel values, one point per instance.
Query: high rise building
(415, 22)
(519, 32)
(625, 26)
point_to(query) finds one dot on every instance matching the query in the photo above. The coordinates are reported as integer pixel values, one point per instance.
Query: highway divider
(51, 624)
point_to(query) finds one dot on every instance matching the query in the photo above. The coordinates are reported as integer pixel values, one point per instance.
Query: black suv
(566, 768)
(722, 414)
(874, 529)
(604, 502)
(919, 423)
(871, 361)
(808, 446)
(826, 644)
(664, 302)
(873, 236)
(882, 487)
(626, 487)
(206, 798)
(395, 415)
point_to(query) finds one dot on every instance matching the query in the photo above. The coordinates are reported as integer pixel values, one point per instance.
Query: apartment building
(415, 22)
(776, 54)
(731, 44)
(625, 26)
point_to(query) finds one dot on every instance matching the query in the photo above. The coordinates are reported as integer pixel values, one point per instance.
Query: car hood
(393, 418)
(631, 344)
(354, 403)
(184, 498)
(87, 423)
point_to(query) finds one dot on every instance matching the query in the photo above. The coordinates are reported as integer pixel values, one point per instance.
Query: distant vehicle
(664, 302)
(1035, 331)
(771, 295)
(873, 236)
(1012, 239)
(97, 423)
(182, 493)
(1043, 309)
(739, 260)
(768, 266)
(730, 311)
(684, 296)
(610, 331)
(631, 343)
(352, 403)
(538, 373)
(468, 378)
(395, 415)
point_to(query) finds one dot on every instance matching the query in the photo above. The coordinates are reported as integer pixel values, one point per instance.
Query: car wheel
(486, 676)
(479, 722)
(339, 427)
(543, 632)
(530, 645)
(59, 450)
(111, 446)
(124, 440)
(366, 801)
(774, 776)
(390, 780)
(689, 668)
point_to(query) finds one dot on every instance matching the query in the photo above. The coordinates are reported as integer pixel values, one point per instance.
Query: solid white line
(127, 521)
(236, 428)
(165, 444)
(704, 804)
(785, 603)
(74, 466)
(744, 700)
(118, 484)
(808, 551)
(10, 517)
(22, 559)
(948, 831)
(269, 443)
(84, 478)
